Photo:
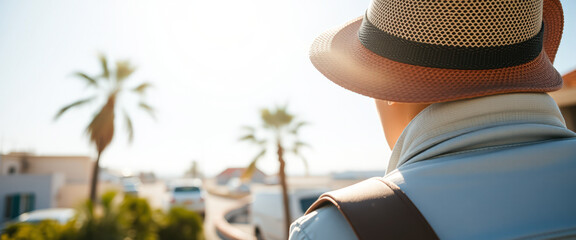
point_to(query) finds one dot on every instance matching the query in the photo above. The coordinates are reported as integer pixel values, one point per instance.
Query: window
(18, 203)
(186, 189)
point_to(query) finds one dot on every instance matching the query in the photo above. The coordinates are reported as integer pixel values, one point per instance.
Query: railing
(227, 231)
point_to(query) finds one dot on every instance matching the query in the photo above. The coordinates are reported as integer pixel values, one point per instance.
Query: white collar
(449, 127)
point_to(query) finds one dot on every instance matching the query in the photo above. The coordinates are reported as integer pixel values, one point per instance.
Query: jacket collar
(451, 127)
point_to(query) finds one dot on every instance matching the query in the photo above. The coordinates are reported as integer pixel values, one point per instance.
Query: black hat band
(451, 57)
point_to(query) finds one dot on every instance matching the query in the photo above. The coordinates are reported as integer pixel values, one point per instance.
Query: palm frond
(91, 81)
(281, 123)
(247, 175)
(276, 118)
(149, 109)
(262, 142)
(300, 144)
(267, 118)
(283, 116)
(104, 64)
(74, 104)
(129, 126)
(297, 127)
(141, 89)
(249, 128)
(123, 70)
(248, 137)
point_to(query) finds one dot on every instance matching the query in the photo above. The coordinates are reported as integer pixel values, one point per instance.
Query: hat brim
(339, 55)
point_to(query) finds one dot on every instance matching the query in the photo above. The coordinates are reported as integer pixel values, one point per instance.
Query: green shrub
(181, 223)
(45, 230)
(137, 219)
(130, 219)
(99, 222)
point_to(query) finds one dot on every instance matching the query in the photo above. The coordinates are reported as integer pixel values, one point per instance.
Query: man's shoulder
(325, 223)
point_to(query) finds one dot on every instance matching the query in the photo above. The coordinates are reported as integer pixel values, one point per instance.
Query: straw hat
(426, 51)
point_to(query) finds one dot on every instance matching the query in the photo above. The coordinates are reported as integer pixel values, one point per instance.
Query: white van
(267, 211)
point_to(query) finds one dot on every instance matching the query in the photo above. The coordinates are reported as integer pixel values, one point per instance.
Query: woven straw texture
(339, 55)
(462, 23)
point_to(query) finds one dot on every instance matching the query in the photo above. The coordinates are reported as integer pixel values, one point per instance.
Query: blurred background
(211, 65)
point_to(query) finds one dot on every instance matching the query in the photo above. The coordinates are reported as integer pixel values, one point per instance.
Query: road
(215, 206)
(155, 193)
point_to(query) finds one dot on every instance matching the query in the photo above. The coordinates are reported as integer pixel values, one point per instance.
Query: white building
(29, 182)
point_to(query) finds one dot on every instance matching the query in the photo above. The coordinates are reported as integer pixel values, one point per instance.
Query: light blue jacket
(497, 167)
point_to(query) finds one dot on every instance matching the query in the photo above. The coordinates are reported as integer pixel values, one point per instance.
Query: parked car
(187, 193)
(131, 185)
(267, 210)
(61, 215)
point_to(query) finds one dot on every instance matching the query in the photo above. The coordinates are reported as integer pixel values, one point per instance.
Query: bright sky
(213, 65)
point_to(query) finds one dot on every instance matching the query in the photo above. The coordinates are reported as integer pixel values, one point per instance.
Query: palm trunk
(282, 175)
(94, 182)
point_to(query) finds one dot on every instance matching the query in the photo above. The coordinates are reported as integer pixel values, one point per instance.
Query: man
(479, 148)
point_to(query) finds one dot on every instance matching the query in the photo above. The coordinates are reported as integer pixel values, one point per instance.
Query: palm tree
(282, 129)
(109, 85)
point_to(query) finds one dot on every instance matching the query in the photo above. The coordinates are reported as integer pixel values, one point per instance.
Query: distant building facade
(231, 173)
(75, 168)
(29, 182)
(566, 99)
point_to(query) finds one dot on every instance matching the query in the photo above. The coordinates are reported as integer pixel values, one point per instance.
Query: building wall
(75, 168)
(569, 113)
(9, 165)
(72, 195)
(55, 181)
(45, 188)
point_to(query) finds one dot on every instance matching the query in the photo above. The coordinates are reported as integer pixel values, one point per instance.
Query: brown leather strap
(378, 209)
